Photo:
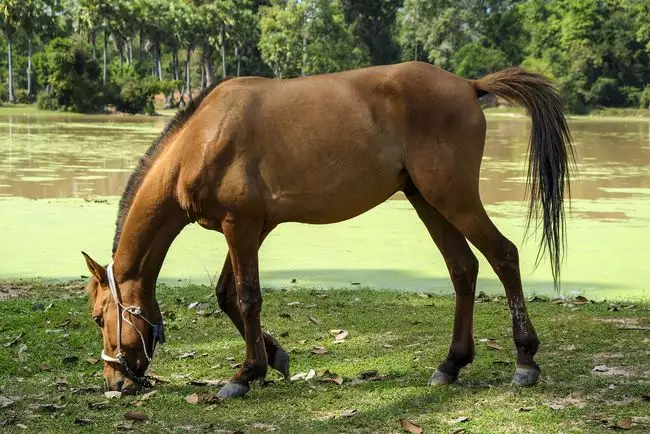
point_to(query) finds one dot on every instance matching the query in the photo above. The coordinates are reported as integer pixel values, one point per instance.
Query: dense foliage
(122, 52)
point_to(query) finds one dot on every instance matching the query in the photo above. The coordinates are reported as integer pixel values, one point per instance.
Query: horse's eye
(99, 321)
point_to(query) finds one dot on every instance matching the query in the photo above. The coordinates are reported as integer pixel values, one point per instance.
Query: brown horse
(252, 153)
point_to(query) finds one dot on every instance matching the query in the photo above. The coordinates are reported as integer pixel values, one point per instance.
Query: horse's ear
(97, 270)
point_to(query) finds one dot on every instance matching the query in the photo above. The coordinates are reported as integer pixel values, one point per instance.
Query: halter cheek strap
(121, 311)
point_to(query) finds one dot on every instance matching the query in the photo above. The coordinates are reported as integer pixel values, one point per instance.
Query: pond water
(61, 177)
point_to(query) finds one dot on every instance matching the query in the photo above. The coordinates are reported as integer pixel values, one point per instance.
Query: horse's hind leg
(464, 210)
(463, 269)
(227, 298)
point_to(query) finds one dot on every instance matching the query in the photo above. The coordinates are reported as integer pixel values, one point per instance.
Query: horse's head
(131, 325)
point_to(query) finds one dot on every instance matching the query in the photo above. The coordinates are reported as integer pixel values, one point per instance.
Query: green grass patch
(401, 335)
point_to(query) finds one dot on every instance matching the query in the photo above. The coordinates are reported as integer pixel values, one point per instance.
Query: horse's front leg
(227, 298)
(243, 241)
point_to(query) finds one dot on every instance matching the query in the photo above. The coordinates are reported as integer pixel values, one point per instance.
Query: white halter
(158, 329)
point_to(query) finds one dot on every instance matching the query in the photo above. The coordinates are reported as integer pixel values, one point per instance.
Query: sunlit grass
(401, 335)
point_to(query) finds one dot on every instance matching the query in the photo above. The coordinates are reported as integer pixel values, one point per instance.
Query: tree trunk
(209, 71)
(188, 80)
(12, 97)
(105, 72)
(304, 55)
(202, 67)
(238, 56)
(223, 51)
(158, 62)
(29, 66)
(93, 42)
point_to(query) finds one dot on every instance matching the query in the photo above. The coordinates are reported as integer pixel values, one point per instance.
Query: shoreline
(598, 114)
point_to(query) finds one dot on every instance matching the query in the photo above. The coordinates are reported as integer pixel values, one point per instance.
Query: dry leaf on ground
(319, 350)
(314, 319)
(410, 426)
(136, 416)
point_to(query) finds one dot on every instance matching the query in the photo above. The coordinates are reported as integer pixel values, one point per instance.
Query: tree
(373, 22)
(308, 37)
(36, 18)
(11, 12)
(475, 61)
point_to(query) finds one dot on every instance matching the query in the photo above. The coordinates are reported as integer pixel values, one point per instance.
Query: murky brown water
(56, 157)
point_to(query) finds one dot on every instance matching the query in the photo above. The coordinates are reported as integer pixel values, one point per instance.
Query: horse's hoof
(439, 378)
(233, 390)
(526, 376)
(281, 362)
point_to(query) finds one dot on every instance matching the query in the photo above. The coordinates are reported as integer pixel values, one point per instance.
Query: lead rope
(136, 311)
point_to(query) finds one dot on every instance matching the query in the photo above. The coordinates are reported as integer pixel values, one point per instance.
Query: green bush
(605, 92)
(132, 93)
(474, 61)
(70, 76)
(644, 98)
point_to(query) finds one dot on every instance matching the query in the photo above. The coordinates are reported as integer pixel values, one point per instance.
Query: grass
(401, 335)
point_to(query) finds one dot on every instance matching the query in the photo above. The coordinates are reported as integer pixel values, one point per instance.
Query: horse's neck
(152, 223)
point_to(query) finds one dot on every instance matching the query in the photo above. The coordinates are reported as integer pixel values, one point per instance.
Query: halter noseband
(158, 331)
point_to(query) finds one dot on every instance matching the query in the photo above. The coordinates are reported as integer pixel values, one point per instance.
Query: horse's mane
(145, 163)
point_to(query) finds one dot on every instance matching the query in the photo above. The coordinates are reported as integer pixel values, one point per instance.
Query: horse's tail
(550, 152)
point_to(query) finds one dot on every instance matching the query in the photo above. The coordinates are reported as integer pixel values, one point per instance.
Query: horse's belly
(329, 193)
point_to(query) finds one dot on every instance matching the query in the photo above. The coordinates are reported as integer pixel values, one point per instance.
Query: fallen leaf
(525, 409)
(98, 405)
(348, 413)
(5, 402)
(62, 382)
(92, 360)
(302, 341)
(264, 427)
(365, 375)
(294, 303)
(342, 335)
(459, 431)
(461, 419)
(601, 368)
(558, 301)
(331, 377)
(148, 395)
(314, 319)
(187, 355)
(203, 398)
(70, 359)
(387, 345)
(625, 423)
(192, 399)
(21, 425)
(410, 426)
(136, 416)
(298, 376)
(194, 305)
(319, 350)
(580, 300)
(14, 341)
(493, 346)
(158, 379)
(556, 406)
(112, 394)
(83, 422)
(310, 375)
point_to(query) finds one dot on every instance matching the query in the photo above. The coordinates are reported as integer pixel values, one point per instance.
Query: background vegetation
(83, 55)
